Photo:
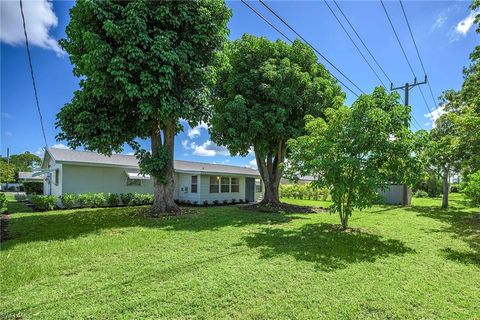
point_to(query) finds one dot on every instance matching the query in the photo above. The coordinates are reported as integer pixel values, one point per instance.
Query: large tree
(263, 91)
(143, 65)
(357, 150)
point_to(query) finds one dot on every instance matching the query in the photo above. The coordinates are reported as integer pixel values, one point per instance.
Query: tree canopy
(143, 65)
(355, 151)
(263, 91)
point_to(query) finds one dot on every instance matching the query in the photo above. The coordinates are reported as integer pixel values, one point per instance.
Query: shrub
(20, 197)
(3, 202)
(43, 203)
(69, 200)
(85, 200)
(205, 203)
(225, 201)
(455, 188)
(33, 187)
(126, 198)
(215, 202)
(195, 203)
(421, 194)
(113, 199)
(234, 200)
(240, 200)
(472, 188)
(140, 199)
(98, 200)
(432, 185)
(303, 191)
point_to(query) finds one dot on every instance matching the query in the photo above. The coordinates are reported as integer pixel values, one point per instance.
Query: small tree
(354, 151)
(264, 90)
(7, 172)
(444, 151)
(143, 66)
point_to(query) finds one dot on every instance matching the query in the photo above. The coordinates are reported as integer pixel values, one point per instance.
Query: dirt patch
(282, 208)
(4, 219)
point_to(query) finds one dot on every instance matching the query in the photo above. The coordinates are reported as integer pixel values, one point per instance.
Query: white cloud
(60, 146)
(6, 115)
(186, 144)
(195, 131)
(435, 114)
(252, 164)
(464, 26)
(208, 149)
(8, 133)
(440, 21)
(39, 19)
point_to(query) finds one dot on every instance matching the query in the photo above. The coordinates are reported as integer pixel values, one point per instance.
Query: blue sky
(442, 29)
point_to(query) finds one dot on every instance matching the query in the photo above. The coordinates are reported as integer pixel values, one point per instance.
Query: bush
(225, 201)
(20, 197)
(421, 194)
(32, 187)
(113, 199)
(126, 198)
(432, 185)
(205, 203)
(303, 191)
(69, 200)
(44, 203)
(3, 202)
(472, 188)
(141, 199)
(234, 201)
(455, 188)
(215, 202)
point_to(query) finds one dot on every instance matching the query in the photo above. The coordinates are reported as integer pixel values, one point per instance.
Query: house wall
(204, 189)
(85, 179)
(49, 187)
(393, 194)
(183, 187)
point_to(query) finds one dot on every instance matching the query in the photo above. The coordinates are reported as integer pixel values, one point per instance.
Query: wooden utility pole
(406, 88)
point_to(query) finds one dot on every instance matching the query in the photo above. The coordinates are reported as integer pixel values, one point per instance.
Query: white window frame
(236, 185)
(258, 186)
(217, 179)
(222, 184)
(194, 184)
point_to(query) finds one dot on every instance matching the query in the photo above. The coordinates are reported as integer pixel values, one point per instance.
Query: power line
(398, 39)
(418, 53)
(266, 20)
(358, 49)
(308, 43)
(33, 76)
(361, 40)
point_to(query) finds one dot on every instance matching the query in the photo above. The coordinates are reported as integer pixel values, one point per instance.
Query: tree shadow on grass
(461, 225)
(75, 223)
(325, 245)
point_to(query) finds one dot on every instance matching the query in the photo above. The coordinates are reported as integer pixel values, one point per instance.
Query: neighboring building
(393, 194)
(29, 177)
(69, 171)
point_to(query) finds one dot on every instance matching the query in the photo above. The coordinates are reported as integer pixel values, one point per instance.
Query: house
(29, 177)
(70, 171)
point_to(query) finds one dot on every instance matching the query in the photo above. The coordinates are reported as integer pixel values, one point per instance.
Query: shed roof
(121, 160)
(29, 175)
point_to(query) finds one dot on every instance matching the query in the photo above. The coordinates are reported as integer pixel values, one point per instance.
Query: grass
(420, 262)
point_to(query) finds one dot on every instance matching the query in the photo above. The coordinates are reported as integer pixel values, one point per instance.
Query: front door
(250, 189)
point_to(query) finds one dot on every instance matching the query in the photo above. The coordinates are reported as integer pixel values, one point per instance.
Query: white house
(70, 171)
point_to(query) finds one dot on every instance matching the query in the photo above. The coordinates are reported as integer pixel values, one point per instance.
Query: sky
(443, 31)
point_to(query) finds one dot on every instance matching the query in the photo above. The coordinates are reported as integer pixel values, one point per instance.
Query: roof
(122, 160)
(29, 176)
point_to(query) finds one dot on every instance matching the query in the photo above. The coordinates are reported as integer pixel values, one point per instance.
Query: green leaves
(264, 90)
(355, 150)
(142, 64)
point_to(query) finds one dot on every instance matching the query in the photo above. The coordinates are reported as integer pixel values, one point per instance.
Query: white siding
(51, 187)
(204, 189)
(183, 187)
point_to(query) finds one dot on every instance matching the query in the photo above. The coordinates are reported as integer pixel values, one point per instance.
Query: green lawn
(415, 263)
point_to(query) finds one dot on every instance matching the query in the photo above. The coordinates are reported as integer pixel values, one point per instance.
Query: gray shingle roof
(67, 155)
(29, 175)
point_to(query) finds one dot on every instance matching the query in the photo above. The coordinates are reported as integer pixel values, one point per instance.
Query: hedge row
(303, 191)
(3, 202)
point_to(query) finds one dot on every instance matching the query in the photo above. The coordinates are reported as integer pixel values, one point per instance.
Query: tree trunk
(344, 220)
(271, 173)
(163, 187)
(404, 195)
(446, 188)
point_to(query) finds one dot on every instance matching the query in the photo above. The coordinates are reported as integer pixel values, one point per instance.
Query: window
(214, 184)
(55, 176)
(235, 185)
(258, 185)
(134, 182)
(225, 184)
(194, 186)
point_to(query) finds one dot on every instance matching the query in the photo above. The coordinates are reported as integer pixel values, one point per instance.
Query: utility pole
(406, 88)
(8, 167)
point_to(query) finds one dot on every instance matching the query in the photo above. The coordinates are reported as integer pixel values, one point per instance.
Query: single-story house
(70, 171)
(29, 177)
